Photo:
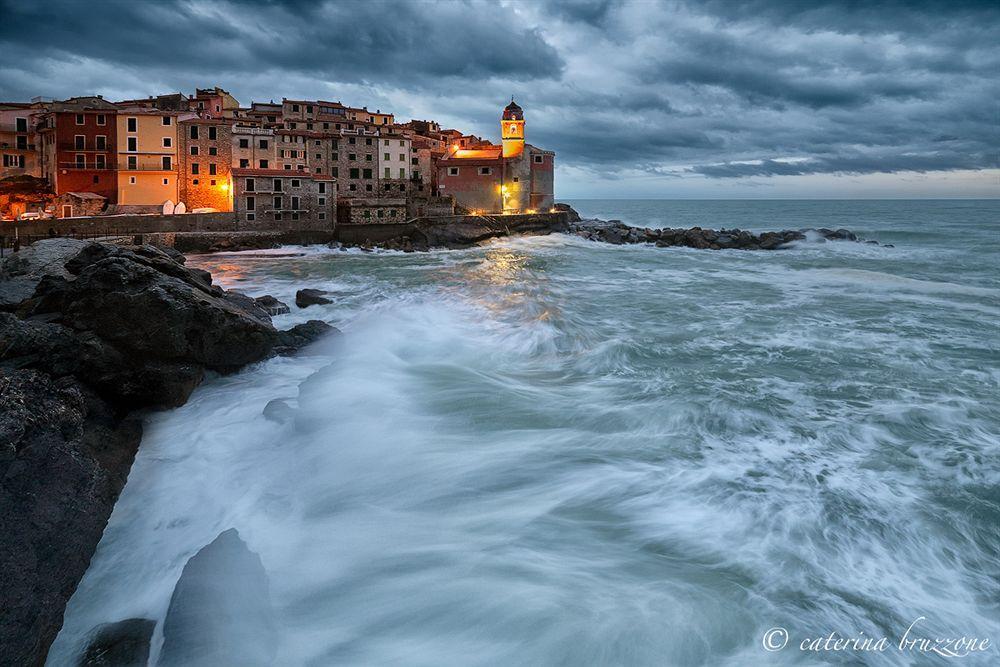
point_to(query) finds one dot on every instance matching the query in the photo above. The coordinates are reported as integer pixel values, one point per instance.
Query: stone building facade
(267, 196)
(253, 148)
(206, 158)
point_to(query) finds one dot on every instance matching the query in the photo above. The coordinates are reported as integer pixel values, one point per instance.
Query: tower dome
(512, 111)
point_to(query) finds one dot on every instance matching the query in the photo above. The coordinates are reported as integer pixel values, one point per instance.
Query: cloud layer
(622, 90)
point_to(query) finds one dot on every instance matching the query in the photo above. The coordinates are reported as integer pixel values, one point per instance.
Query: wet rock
(278, 410)
(64, 458)
(301, 335)
(310, 297)
(220, 612)
(272, 305)
(573, 215)
(121, 644)
(21, 272)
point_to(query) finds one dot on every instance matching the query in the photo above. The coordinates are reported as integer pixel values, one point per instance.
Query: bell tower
(512, 130)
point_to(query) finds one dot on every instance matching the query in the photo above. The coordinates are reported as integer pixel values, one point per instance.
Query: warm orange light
(224, 187)
(553, 210)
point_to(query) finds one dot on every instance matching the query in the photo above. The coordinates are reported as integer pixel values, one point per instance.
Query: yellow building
(147, 157)
(512, 130)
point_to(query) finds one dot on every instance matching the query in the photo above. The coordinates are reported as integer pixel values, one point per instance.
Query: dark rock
(309, 297)
(301, 335)
(220, 612)
(127, 303)
(21, 272)
(64, 457)
(272, 305)
(573, 215)
(121, 644)
(278, 410)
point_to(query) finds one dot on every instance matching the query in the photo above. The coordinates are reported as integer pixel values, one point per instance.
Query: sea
(551, 451)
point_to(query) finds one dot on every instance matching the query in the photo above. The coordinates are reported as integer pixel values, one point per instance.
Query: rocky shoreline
(92, 335)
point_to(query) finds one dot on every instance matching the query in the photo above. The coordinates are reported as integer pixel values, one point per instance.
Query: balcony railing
(88, 166)
(123, 166)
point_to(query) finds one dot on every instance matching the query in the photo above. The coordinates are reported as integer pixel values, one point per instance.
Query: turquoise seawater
(547, 451)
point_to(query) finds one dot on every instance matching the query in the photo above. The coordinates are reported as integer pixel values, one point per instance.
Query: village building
(18, 141)
(213, 103)
(514, 177)
(146, 141)
(78, 147)
(254, 147)
(206, 160)
(265, 197)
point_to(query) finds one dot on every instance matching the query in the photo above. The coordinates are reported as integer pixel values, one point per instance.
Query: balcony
(87, 166)
(123, 166)
(70, 147)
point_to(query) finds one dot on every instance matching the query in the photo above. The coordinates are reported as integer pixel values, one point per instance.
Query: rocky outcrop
(618, 233)
(220, 612)
(272, 305)
(121, 644)
(310, 297)
(64, 457)
(104, 331)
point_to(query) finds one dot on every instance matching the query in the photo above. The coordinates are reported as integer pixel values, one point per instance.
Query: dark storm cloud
(717, 88)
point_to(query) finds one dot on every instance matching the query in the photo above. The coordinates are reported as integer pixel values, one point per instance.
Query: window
(368, 187)
(453, 171)
(251, 216)
(353, 187)
(79, 119)
(368, 141)
(194, 132)
(132, 124)
(402, 143)
(251, 185)
(167, 141)
(212, 182)
(402, 157)
(79, 142)
(353, 157)
(195, 181)
(319, 156)
(277, 216)
(195, 167)
(21, 143)
(165, 120)
(244, 164)
(295, 108)
(16, 161)
(355, 173)
(415, 161)
(211, 169)
(515, 179)
(262, 143)
(295, 203)
(166, 181)
(133, 162)
(97, 179)
(81, 161)
(387, 174)
(351, 140)
(212, 150)
(21, 124)
(322, 216)
(321, 201)
(262, 164)
(131, 180)
(99, 161)
(276, 203)
(295, 183)
(244, 143)
(213, 133)
(218, 108)
(166, 163)
(194, 150)
(385, 156)
(402, 172)
(335, 172)
(319, 170)
(277, 185)
(288, 167)
(538, 159)
(485, 171)
(322, 188)
(368, 158)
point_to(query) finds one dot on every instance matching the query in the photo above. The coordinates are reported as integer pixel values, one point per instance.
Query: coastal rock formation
(105, 330)
(272, 305)
(310, 297)
(618, 233)
(121, 644)
(220, 612)
(64, 457)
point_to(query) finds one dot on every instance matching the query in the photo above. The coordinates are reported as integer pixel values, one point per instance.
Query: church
(514, 177)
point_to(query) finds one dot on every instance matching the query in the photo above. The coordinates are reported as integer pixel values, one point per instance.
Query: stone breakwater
(90, 333)
(618, 233)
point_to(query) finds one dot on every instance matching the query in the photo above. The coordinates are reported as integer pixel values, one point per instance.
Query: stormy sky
(764, 98)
